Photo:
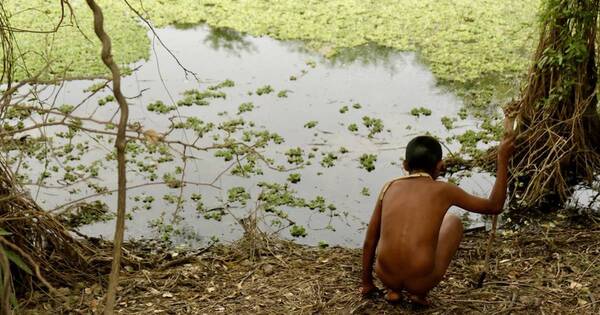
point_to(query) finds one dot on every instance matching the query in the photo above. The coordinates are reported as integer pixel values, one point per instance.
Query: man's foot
(369, 291)
(418, 299)
(392, 297)
(372, 294)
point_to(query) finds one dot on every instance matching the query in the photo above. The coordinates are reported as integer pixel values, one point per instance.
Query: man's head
(424, 153)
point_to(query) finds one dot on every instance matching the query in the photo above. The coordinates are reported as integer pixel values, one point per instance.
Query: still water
(386, 84)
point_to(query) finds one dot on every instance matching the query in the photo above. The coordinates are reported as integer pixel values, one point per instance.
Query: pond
(313, 105)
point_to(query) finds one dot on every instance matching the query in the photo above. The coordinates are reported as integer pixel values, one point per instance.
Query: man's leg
(451, 233)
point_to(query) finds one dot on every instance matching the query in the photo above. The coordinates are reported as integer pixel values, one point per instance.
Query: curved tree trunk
(120, 144)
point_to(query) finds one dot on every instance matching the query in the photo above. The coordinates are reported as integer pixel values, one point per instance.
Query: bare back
(412, 212)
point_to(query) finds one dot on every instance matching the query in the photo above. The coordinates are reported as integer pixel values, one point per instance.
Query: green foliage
(74, 51)
(164, 230)
(311, 124)
(172, 181)
(294, 155)
(418, 111)
(365, 191)
(66, 109)
(495, 129)
(294, 178)
(283, 93)
(267, 89)
(318, 203)
(17, 260)
(87, 213)
(470, 139)
(353, 127)
(274, 197)
(462, 113)
(329, 160)
(448, 122)
(367, 161)
(95, 87)
(225, 84)
(568, 26)
(375, 125)
(107, 99)
(245, 107)
(200, 98)
(298, 231)
(473, 45)
(481, 46)
(160, 107)
(238, 194)
(198, 126)
(343, 109)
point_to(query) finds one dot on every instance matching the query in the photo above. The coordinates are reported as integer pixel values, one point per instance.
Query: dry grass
(539, 269)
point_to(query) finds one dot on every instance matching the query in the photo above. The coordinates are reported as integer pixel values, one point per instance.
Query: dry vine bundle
(45, 245)
(559, 144)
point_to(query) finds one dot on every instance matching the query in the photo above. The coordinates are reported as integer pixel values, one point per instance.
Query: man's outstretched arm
(494, 203)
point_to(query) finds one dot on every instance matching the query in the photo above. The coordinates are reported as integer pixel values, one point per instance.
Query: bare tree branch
(120, 144)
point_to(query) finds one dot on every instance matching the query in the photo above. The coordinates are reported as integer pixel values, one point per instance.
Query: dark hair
(423, 153)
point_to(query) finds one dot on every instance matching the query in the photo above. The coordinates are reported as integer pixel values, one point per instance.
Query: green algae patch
(74, 50)
(480, 48)
(473, 45)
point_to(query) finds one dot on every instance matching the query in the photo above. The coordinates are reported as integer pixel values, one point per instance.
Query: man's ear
(405, 164)
(441, 167)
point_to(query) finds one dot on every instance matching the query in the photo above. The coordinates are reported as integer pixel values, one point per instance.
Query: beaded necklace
(388, 184)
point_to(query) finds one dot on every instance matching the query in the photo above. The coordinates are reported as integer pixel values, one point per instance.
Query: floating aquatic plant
(311, 124)
(267, 89)
(245, 107)
(418, 111)
(365, 191)
(367, 161)
(294, 178)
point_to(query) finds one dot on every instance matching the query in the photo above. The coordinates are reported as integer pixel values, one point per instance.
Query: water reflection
(185, 26)
(369, 54)
(232, 41)
(366, 55)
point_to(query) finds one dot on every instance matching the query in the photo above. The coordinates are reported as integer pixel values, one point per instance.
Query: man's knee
(454, 223)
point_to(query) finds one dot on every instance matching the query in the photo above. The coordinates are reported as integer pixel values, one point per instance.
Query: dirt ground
(549, 267)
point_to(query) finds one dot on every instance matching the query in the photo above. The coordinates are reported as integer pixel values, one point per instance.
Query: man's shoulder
(446, 186)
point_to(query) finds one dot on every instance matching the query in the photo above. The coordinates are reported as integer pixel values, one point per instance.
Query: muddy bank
(548, 267)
